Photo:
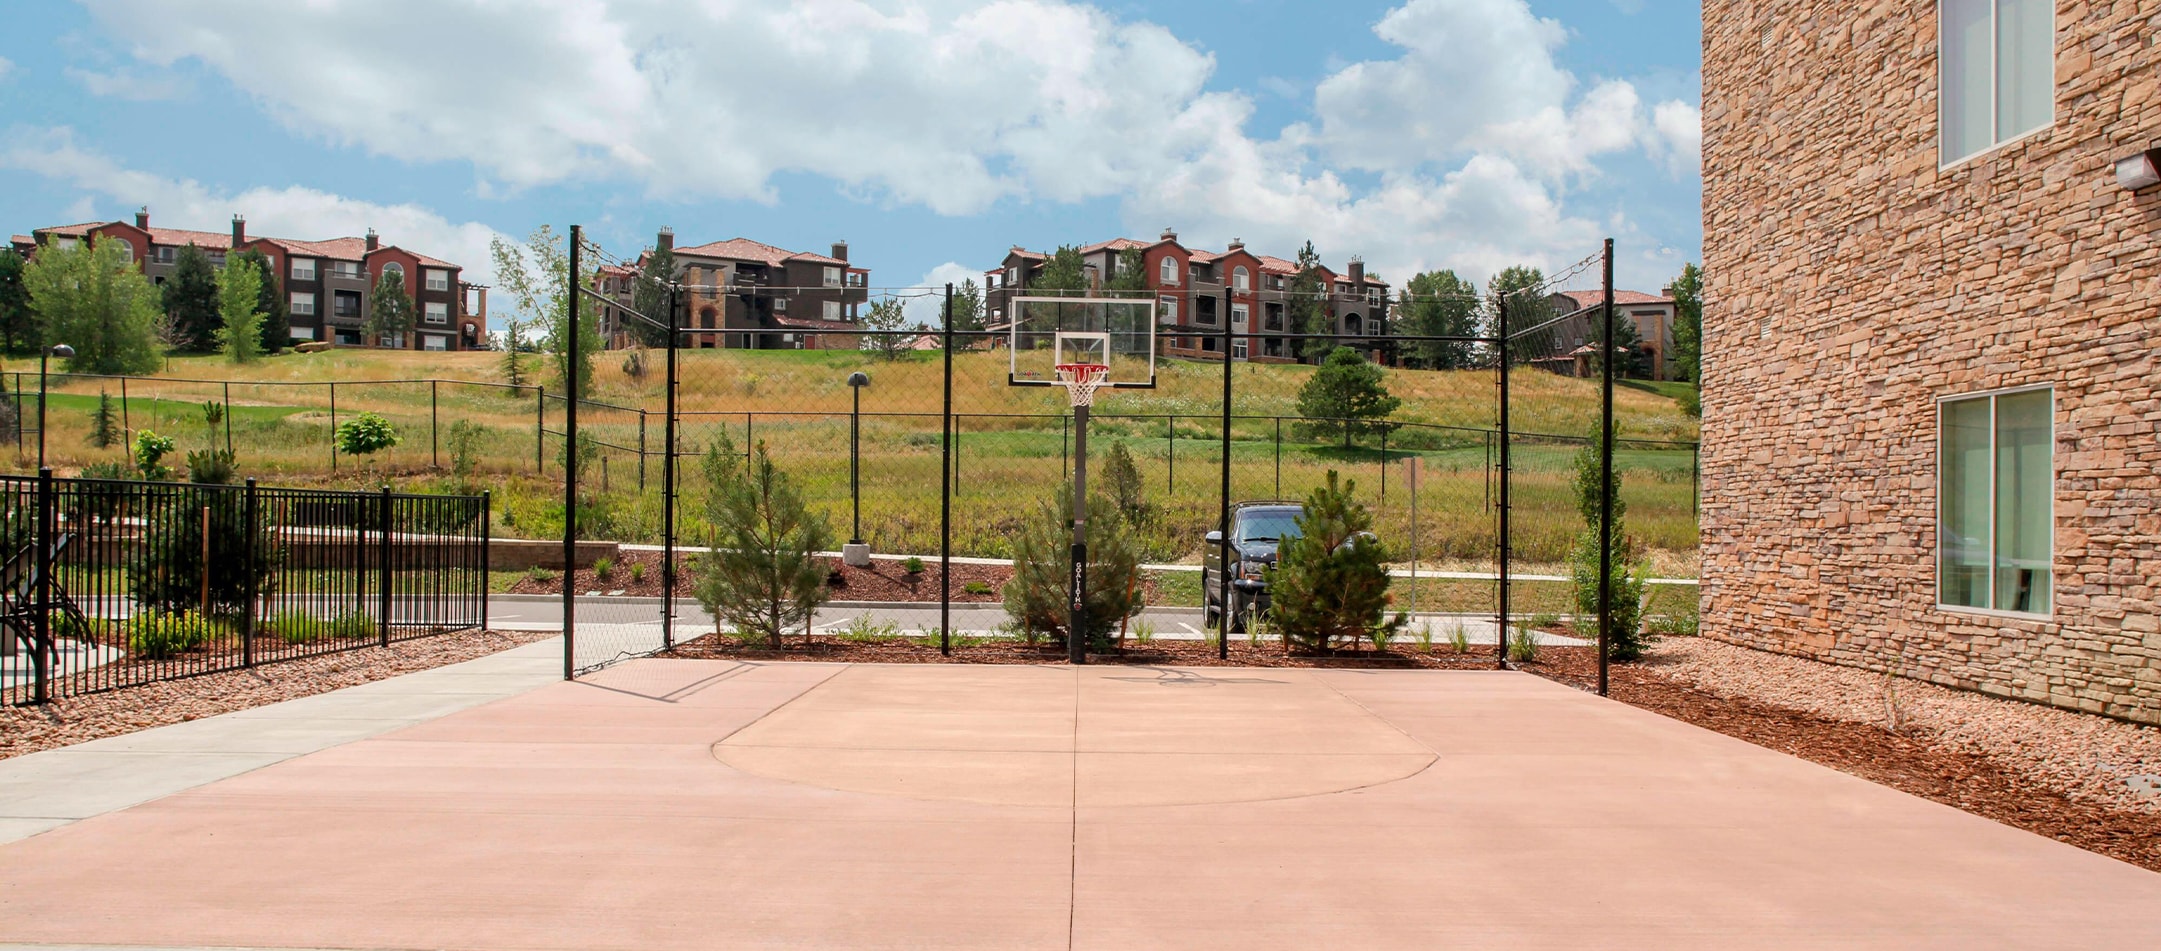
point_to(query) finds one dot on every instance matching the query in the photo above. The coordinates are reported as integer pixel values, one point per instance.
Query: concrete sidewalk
(47, 790)
(705, 804)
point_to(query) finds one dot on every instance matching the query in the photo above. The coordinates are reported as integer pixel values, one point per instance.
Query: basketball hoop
(1081, 380)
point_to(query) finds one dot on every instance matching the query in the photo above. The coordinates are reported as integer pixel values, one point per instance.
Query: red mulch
(1908, 762)
(882, 580)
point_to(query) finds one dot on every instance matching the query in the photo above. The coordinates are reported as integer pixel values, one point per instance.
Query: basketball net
(1081, 380)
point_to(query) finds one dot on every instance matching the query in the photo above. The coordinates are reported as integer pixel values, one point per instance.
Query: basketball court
(694, 804)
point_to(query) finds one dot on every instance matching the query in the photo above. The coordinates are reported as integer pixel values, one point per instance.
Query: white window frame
(349, 270)
(832, 276)
(1946, 161)
(1241, 315)
(302, 269)
(1167, 271)
(166, 254)
(301, 304)
(1240, 350)
(1936, 567)
(780, 305)
(831, 310)
(1240, 280)
(1167, 309)
(435, 312)
(435, 343)
(438, 279)
(393, 267)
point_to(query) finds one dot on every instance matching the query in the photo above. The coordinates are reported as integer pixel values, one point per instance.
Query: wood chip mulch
(881, 580)
(1911, 761)
(29, 729)
(922, 649)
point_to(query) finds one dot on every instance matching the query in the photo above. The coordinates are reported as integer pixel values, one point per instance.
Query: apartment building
(1933, 241)
(1577, 315)
(327, 284)
(744, 294)
(1196, 290)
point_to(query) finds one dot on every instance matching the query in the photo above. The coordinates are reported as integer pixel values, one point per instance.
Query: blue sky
(930, 134)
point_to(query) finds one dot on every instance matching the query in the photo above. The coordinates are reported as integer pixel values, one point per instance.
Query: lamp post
(63, 351)
(856, 553)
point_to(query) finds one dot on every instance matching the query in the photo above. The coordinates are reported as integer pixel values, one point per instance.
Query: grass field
(1013, 445)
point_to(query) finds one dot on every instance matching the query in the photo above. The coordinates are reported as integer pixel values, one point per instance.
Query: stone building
(1931, 411)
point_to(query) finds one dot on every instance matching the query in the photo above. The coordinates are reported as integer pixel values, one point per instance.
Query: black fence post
(1605, 487)
(251, 562)
(435, 427)
(333, 424)
(945, 495)
(487, 552)
(1170, 439)
(1226, 568)
(1384, 465)
(1279, 457)
(570, 455)
(1500, 324)
(228, 416)
(41, 651)
(667, 484)
(383, 603)
(540, 432)
(127, 429)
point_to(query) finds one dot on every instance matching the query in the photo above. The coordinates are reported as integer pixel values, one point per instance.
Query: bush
(1331, 582)
(463, 439)
(1122, 482)
(150, 452)
(1523, 647)
(366, 434)
(300, 627)
(1625, 641)
(539, 575)
(602, 568)
(157, 635)
(211, 466)
(1038, 597)
(913, 565)
(977, 587)
(172, 571)
(637, 572)
(105, 423)
(763, 575)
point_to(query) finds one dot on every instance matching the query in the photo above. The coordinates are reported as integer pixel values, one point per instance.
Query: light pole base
(855, 555)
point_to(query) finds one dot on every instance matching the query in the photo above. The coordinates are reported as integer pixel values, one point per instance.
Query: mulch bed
(881, 580)
(126, 710)
(1908, 762)
(923, 649)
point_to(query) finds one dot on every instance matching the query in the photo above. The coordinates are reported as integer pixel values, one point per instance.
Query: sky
(931, 135)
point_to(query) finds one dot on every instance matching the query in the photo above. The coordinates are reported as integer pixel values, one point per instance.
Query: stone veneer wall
(1852, 283)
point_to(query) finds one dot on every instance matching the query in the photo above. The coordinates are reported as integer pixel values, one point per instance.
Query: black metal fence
(111, 584)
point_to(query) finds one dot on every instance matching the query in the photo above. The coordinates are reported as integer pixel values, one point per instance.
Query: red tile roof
(1117, 244)
(342, 249)
(1589, 299)
(206, 240)
(744, 249)
(1275, 265)
(833, 325)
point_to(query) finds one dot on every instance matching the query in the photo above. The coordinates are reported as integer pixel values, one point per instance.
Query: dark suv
(1257, 528)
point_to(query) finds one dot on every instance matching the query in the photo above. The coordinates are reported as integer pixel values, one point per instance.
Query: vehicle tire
(1209, 614)
(1238, 611)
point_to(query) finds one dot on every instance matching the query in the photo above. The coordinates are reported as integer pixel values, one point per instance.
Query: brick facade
(1852, 283)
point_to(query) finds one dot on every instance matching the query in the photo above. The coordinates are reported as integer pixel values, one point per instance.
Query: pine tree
(191, 301)
(1441, 304)
(1121, 480)
(514, 353)
(105, 423)
(1346, 397)
(1038, 596)
(1131, 274)
(651, 297)
(390, 310)
(967, 310)
(240, 332)
(763, 576)
(277, 322)
(1307, 310)
(1330, 585)
(1065, 271)
(18, 323)
(886, 314)
(1520, 289)
(1628, 360)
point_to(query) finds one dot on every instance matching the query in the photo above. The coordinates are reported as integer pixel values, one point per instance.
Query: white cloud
(131, 85)
(1681, 126)
(289, 212)
(1469, 141)
(928, 308)
(7, 67)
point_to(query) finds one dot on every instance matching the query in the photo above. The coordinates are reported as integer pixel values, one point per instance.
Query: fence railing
(111, 584)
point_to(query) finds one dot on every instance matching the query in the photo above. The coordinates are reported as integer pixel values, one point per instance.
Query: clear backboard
(1049, 331)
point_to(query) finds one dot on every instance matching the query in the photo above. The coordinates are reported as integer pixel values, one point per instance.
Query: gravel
(2084, 757)
(77, 719)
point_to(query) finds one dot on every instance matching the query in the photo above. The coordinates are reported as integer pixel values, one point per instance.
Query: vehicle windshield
(1267, 526)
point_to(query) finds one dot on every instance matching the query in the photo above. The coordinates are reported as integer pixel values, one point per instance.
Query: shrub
(211, 466)
(178, 566)
(913, 565)
(1122, 482)
(463, 439)
(1523, 647)
(603, 567)
(1331, 582)
(977, 587)
(157, 635)
(763, 576)
(1459, 638)
(300, 627)
(150, 451)
(637, 572)
(539, 574)
(1038, 597)
(104, 423)
(366, 434)
(1625, 640)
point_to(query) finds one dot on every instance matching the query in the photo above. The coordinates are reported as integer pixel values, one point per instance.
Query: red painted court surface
(681, 804)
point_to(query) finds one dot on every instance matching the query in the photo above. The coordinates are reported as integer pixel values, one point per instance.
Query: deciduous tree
(1441, 304)
(18, 323)
(240, 333)
(1688, 323)
(92, 298)
(650, 297)
(890, 313)
(277, 322)
(536, 273)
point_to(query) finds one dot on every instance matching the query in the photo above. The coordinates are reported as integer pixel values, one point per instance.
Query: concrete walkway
(705, 804)
(44, 791)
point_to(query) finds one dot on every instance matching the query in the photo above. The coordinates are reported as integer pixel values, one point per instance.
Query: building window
(345, 304)
(438, 280)
(1997, 69)
(166, 254)
(1238, 315)
(301, 333)
(832, 277)
(1170, 310)
(832, 310)
(303, 269)
(394, 269)
(437, 312)
(127, 246)
(434, 342)
(217, 258)
(1169, 271)
(780, 305)
(1996, 502)
(1239, 280)
(303, 305)
(349, 270)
